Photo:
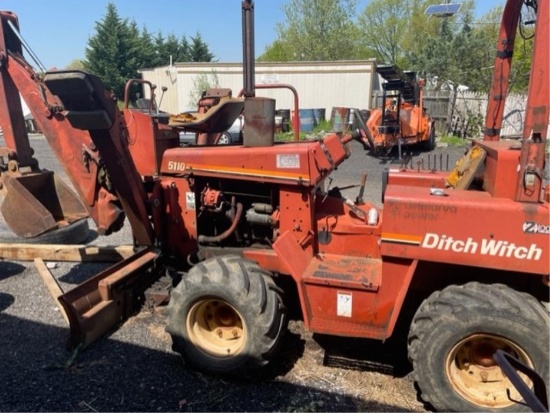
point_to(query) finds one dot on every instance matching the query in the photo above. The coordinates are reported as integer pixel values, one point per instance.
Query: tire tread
(450, 302)
(256, 294)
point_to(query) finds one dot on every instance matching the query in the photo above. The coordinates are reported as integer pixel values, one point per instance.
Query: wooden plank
(51, 284)
(76, 253)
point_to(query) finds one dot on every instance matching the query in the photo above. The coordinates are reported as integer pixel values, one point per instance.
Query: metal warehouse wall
(319, 84)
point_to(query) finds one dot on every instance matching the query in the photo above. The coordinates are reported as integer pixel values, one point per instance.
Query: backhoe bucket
(39, 202)
(101, 302)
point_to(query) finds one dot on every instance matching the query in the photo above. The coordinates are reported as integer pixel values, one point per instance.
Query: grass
(284, 137)
(323, 126)
(452, 140)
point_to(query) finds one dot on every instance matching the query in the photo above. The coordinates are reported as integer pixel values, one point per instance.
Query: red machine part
(211, 198)
(501, 72)
(89, 179)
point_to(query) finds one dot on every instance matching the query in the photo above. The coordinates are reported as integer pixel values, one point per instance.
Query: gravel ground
(134, 369)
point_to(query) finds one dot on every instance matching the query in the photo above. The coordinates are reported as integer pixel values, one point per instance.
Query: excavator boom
(28, 190)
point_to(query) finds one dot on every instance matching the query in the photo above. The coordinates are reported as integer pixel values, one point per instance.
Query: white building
(320, 85)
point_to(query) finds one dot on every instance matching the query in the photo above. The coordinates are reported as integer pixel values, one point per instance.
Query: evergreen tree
(198, 50)
(149, 53)
(111, 53)
(175, 48)
(434, 59)
(118, 49)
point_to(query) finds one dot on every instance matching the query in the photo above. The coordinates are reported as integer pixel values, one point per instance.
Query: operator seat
(216, 113)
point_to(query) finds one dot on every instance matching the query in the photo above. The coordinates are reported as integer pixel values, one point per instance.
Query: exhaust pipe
(248, 48)
(259, 113)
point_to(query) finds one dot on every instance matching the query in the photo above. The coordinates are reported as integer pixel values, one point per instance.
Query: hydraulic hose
(228, 231)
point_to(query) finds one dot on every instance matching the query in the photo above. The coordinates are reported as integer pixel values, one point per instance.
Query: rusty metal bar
(535, 129)
(536, 399)
(501, 73)
(101, 302)
(26, 46)
(12, 120)
(248, 48)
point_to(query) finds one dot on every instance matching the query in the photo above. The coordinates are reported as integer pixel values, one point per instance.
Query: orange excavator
(402, 118)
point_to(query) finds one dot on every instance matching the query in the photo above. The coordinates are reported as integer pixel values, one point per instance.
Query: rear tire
(75, 233)
(429, 145)
(454, 335)
(226, 316)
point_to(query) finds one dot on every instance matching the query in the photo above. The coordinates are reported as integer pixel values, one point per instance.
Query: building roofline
(200, 65)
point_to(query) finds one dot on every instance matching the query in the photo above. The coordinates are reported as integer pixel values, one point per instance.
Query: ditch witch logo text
(490, 247)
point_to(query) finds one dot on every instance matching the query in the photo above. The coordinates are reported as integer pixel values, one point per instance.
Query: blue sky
(58, 31)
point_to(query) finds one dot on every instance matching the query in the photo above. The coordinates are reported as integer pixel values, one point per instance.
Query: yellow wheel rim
(474, 374)
(216, 327)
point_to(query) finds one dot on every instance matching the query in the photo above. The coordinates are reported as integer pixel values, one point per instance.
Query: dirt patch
(349, 367)
(159, 332)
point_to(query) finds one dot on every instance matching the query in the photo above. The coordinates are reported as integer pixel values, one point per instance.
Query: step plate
(341, 296)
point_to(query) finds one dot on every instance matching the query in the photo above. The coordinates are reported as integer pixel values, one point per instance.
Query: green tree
(486, 29)
(474, 57)
(277, 51)
(315, 30)
(419, 27)
(445, 49)
(383, 27)
(149, 54)
(171, 49)
(523, 46)
(434, 59)
(75, 64)
(201, 83)
(111, 52)
(521, 62)
(118, 49)
(198, 50)
(452, 50)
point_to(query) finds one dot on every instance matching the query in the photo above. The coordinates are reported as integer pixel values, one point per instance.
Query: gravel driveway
(134, 369)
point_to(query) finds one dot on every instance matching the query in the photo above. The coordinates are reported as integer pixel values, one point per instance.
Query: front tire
(454, 335)
(226, 316)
